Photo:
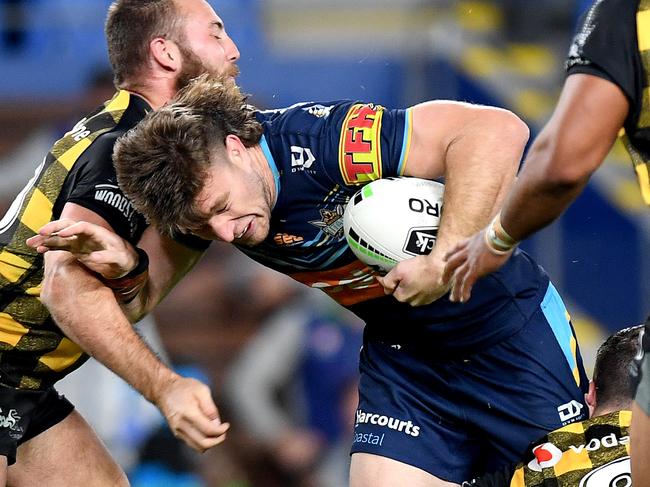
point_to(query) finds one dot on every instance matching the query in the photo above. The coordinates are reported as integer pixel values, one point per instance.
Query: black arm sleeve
(605, 45)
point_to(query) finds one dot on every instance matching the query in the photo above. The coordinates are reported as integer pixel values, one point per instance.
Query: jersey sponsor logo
(331, 221)
(613, 474)
(284, 239)
(319, 111)
(406, 427)
(301, 159)
(607, 441)
(359, 146)
(570, 411)
(369, 438)
(79, 131)
(546, 455)
(112, 196)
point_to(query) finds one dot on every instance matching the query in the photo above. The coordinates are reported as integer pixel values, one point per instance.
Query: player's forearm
(88, 313)
(552, 178)
(533, 205)
(481, 164)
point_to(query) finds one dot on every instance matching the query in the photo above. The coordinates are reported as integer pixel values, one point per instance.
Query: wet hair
(130, 26)
(614, 361)
(162, 164)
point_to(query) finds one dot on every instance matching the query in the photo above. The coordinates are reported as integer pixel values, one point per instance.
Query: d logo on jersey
(359, 147)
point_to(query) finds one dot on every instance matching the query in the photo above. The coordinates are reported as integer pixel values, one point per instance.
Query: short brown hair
(130, 26)
(162, 163)
(614, 361)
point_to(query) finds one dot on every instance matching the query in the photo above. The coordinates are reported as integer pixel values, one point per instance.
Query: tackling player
(604, 96)
(53, 311)
(434, 406)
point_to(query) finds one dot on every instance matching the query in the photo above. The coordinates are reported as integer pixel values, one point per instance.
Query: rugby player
(594, 452)
(53, 311)
(604, 96)
(435, 405)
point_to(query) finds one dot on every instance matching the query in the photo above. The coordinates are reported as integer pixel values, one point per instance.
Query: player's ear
(165, 54)
(590, 398)
(235, 148)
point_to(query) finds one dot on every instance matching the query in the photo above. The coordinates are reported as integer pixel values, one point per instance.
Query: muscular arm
(573, 144)
(92, 241)
(88, 313)
(477, 149)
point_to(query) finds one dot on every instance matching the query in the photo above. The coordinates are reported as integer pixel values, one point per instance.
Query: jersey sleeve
(92, 184)
(373, 143)
(605, 45)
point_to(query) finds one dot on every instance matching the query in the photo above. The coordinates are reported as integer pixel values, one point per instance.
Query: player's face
(238, 203)
(205, 46)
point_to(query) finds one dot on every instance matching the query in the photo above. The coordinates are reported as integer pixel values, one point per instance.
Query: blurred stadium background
(395, 52)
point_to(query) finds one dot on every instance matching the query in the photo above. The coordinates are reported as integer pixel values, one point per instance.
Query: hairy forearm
(481, 165)
(88, 313)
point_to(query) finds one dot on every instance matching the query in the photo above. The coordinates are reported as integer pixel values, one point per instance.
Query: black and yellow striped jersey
(613, 42)
(79, 169)
(591, 453)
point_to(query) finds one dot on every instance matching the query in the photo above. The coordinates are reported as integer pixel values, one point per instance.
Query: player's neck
(263, 166)
(156, 91)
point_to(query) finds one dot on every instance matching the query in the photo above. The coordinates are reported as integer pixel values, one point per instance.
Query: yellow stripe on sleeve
(38, 211)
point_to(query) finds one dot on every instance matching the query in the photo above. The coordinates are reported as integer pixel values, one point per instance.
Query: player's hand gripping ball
(393, 219)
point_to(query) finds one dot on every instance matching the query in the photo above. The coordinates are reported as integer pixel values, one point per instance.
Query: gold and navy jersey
(613, 42)
(78, 169)
(320, 155)
(591, 453)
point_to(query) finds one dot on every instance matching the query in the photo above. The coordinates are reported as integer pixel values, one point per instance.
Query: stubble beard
(193, 67)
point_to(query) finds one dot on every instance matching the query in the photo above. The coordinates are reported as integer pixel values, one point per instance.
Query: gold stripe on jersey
(38, 211)
(12, 267)
(641, 160)
(65, 355)
(69, 157)
(26, 327)
(10, 330)
(643, 22)
(518, 479)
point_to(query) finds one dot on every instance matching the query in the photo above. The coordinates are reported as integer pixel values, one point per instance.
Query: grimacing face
(237, 203)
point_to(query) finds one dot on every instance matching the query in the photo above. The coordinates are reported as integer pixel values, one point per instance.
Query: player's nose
(231, 50)
(224, 231)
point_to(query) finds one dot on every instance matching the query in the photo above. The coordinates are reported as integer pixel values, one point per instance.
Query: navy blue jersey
(320, 155)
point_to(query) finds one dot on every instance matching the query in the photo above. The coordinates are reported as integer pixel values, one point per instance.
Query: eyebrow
(219, 204)
(218, 24)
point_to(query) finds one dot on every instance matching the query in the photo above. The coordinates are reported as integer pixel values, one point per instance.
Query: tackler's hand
(98, 248)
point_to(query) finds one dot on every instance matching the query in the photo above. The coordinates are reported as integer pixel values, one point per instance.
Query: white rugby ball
(393, 219)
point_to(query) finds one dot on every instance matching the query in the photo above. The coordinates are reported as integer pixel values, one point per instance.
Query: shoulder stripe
(406, 143)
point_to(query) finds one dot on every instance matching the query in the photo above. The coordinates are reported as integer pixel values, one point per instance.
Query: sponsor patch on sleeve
(359, 147)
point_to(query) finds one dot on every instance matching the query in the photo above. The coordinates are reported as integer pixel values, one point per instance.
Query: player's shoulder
(93, 137)
(304, 112)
